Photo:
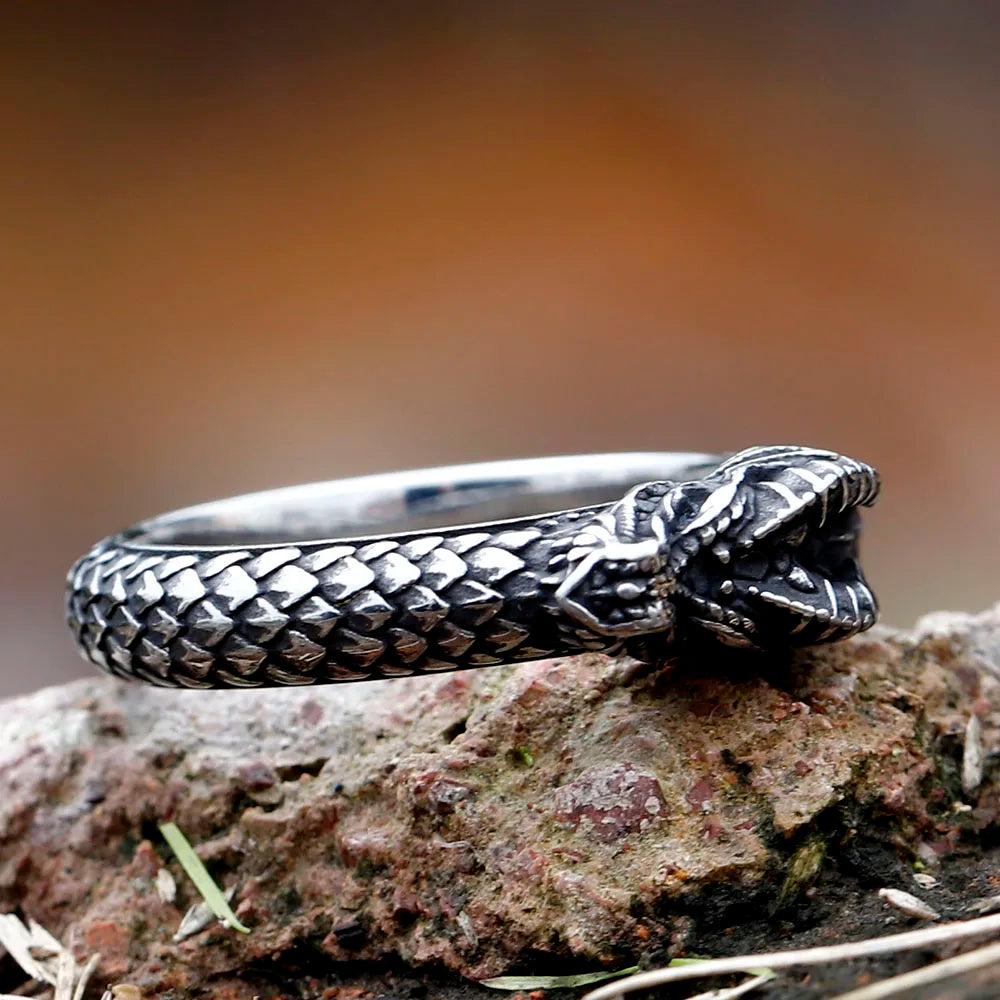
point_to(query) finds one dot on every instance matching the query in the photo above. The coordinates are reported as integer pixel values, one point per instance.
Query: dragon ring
(368, 578)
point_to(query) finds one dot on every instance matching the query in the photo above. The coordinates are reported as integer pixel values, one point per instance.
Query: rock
(580, 809)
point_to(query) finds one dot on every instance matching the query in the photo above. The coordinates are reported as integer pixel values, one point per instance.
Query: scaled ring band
(476, 565)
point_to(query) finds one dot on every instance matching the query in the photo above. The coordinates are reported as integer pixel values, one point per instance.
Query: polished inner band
(413, 501)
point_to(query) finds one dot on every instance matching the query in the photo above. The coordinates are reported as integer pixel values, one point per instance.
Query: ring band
(475, 565)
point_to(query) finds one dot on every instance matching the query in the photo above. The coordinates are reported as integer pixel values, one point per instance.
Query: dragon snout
(618, 588)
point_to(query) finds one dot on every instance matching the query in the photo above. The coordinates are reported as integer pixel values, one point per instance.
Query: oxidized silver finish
(351, 580)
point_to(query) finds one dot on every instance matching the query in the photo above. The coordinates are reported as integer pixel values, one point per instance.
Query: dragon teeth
(770, 595)
(801, 580)
(832, 594)
(853, 598)
(824, 500)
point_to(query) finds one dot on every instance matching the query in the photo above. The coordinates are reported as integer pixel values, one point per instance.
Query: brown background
(246, 245)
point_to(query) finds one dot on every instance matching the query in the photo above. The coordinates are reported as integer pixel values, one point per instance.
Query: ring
(475, 565)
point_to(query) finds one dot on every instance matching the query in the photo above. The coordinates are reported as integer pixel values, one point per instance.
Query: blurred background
(249, 244)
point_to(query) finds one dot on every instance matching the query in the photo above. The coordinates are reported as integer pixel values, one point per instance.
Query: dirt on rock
(412, 836)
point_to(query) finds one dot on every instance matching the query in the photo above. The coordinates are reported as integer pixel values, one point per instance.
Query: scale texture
(294, 614)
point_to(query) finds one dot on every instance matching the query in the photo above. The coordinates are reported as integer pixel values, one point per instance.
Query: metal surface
(358, 579)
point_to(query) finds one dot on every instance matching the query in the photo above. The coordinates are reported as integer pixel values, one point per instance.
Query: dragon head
(761, 553)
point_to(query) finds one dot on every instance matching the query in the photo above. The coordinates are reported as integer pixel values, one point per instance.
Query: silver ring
(476, 565)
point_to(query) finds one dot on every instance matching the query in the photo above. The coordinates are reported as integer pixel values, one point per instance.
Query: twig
(945, 969)
(803, 956)
(65, 974)
(84, 975)
(42, 957)
(23, 941)
(733, 992)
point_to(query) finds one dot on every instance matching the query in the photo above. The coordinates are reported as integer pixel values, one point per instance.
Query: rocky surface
(578, 812)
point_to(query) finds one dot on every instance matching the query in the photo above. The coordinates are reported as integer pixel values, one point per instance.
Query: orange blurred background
(253, 244)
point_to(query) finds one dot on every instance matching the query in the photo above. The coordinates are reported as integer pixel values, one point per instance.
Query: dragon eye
(798, 536)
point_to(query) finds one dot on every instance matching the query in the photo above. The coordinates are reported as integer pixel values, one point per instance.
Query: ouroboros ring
(368, 578)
